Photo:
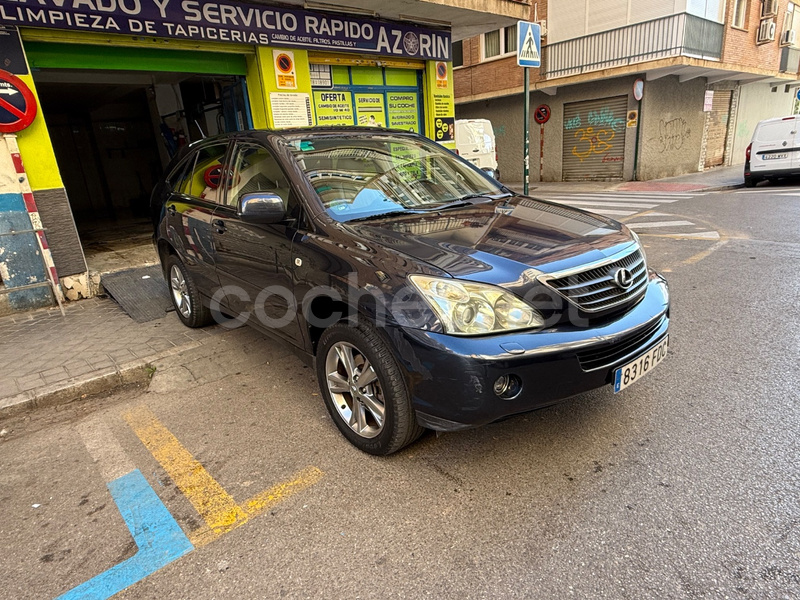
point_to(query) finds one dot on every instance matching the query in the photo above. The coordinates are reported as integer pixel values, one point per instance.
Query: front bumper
(451, 378)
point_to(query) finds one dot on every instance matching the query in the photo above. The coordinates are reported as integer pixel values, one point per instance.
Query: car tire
(185, 296)
(749, 181)
(377, 418)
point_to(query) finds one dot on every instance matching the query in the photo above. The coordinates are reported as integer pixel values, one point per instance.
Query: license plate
(641, 366)
(774, 156)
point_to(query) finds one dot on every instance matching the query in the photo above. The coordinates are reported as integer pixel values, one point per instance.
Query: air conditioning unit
(789, 37)
(769, 8)
(766, 31)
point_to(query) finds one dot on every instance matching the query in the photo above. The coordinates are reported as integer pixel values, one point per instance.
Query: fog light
(508, 387)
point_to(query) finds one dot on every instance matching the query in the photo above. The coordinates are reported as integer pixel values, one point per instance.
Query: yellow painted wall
(37, 151)
(261, 81)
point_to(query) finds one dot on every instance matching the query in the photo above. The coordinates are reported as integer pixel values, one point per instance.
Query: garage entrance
(115, 129)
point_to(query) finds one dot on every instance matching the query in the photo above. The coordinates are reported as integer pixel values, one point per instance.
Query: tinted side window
(175, 181)
(255, 169)
(204, 176)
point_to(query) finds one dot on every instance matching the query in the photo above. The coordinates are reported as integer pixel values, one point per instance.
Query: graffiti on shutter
(718, 128)
(594, 139)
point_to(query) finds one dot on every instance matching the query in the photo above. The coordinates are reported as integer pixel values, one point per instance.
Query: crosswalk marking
(617, 197)
(612, 204)
(633, 209)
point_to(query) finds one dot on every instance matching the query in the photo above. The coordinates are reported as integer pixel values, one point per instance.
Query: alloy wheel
(180, 292)
(355, 389)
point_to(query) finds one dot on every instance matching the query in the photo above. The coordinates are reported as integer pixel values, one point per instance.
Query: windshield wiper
(391, 213)
(468, 200)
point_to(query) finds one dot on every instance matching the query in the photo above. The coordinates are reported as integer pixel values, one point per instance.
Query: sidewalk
(721, 178)
(49, 359)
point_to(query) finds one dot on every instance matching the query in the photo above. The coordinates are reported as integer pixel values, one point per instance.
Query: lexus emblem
(623, 278)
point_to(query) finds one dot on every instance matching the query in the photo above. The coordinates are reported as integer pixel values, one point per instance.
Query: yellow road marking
(260, 503)
(218, 509)
(704, 254)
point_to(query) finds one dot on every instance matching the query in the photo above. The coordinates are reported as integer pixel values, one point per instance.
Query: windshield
(366, 175)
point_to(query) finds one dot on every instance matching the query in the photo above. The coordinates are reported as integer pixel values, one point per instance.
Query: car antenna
(200, 129)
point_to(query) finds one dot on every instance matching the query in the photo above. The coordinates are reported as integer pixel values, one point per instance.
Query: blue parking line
(158, 536)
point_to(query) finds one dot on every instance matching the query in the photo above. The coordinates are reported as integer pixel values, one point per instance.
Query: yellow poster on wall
(403, 110)
(370, 110)
(334, 108)
(440, 104)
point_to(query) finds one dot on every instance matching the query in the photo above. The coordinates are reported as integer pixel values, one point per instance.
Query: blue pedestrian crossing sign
(529, 44)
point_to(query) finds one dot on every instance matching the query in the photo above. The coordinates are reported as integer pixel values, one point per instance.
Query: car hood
(500, 244)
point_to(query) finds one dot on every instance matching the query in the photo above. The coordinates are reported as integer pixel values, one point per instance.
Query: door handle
(171, 209)
(219, 225)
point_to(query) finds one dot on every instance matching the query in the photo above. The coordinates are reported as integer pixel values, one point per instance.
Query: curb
(75, 389)
(136, 372)
(718, 188)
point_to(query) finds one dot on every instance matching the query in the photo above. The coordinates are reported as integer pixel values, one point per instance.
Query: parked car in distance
(424, 293)
(476, 143)
(774, 151)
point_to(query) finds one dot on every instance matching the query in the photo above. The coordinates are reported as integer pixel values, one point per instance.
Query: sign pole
(541, 152)
(529, 45)
(526, 130)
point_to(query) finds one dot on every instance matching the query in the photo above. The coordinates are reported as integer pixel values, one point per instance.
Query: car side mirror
(262, 207)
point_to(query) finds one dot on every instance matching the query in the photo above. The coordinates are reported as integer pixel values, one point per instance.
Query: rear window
(775, 131)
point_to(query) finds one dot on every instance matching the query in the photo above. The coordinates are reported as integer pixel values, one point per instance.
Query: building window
(458, 54)
(791, 25)
(511, 39)
(712, 10)
(491, 44)
(740, 13)
(500, 42)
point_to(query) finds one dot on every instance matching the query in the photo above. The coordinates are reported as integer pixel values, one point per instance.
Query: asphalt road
(686, 485)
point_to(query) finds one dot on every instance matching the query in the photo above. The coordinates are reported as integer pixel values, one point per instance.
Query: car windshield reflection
(364, 177)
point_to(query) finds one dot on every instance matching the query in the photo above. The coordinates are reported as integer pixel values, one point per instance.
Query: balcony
(677, 35)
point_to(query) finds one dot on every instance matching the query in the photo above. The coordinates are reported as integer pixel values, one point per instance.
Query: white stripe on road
(611, 204)
(615, 213)
(658, 224)
(703, 235)
(611, 198)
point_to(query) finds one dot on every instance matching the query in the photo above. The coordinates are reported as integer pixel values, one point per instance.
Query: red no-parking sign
(542, 114)
(17, 104)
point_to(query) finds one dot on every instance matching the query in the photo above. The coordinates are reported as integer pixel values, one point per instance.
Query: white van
(774, 150)
(475, 142)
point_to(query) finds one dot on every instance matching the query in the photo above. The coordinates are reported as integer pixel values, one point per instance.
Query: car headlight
(467, 308)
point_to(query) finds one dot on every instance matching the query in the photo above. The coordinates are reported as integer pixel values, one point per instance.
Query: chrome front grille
(622, 350)
(595, 289)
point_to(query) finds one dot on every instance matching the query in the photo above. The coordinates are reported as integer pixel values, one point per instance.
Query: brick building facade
(711, 70)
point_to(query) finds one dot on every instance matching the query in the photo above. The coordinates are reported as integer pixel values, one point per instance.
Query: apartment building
(708, 71)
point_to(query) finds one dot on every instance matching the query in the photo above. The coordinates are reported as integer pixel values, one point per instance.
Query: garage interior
(114, 132)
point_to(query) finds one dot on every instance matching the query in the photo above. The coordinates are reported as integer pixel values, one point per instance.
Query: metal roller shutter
(718, 128)
(594, 139)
